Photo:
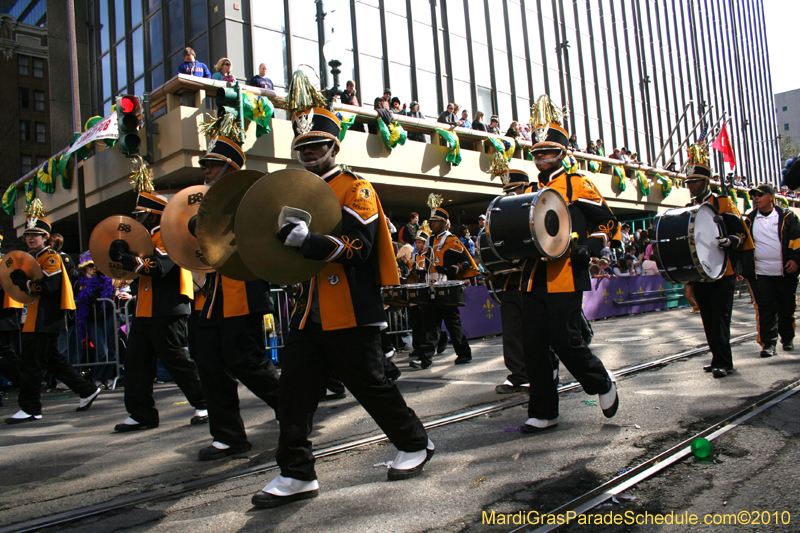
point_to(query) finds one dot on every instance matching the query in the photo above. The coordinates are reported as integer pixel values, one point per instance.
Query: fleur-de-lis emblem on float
(489, 305)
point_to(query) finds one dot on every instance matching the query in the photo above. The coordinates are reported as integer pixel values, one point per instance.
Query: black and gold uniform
(9, 338)
(44, 322)
(551, 297)
(715, 298)
(159, 328)
(449, 260)
(336, 323)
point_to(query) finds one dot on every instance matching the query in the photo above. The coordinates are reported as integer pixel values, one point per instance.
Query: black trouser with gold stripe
(776, 303)
(39, 355)
(226, 352)
(715, 300)
(355, 355)
(158, 339)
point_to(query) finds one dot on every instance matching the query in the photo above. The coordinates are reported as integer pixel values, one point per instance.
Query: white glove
(731, 242)
(298, 234)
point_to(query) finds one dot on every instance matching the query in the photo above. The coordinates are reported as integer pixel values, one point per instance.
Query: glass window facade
(626, 68)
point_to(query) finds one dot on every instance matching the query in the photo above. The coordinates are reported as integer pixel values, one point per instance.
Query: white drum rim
(701, 267)
(557, 251)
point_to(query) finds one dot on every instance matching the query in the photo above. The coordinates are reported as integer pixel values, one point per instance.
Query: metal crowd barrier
(99, 347)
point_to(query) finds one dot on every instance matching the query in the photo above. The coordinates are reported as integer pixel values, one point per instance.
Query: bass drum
(685, 244)
(493, 262)
(529, 225)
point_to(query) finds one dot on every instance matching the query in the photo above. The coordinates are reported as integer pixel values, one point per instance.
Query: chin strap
(316, 161)
(219, 174)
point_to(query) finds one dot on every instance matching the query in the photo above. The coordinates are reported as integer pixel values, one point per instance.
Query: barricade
(96, 345)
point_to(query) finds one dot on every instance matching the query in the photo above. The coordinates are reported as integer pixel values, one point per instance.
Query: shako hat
(437, 213)
(515, 179)
(424, 232)
(546, 122)
(35, 223)
(312, 122)
(147, 201)
(698, 168)
(225, 150)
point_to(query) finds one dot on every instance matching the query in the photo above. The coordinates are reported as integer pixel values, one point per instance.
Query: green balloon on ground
(701, 448)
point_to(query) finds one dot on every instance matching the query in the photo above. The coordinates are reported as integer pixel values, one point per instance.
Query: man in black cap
(159, 328)
(336, 323)
(552, 290)
(229, 340)
(450, 260)
(715, 298)
(776, 235)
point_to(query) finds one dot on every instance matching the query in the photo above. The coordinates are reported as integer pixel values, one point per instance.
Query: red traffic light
(128, 104)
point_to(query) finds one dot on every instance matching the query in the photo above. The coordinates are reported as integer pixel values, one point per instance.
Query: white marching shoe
(283, 490)
(410, 464)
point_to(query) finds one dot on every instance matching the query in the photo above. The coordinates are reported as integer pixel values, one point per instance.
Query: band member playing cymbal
(450, 260)
(552, 290)
(159, 328)
(336, 323)
(44, 323)
(229, 335)
(715, 298)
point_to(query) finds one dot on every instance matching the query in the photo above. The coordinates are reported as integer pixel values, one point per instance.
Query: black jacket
(789, 228)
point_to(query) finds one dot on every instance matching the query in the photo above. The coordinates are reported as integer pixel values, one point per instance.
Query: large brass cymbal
(181, 245)
(124, 228)
(24, 261)
(256, 224)
(215, 222)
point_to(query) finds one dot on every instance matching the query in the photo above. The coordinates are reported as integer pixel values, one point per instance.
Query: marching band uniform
(159, 328)
(551, 298)
(44, 323)
(230, 342)
(336, 322)
(419, 264)
(715, 298)
(449, 259)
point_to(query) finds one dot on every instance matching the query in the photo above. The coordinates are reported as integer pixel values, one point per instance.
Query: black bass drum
(493, 262)
(529, 225)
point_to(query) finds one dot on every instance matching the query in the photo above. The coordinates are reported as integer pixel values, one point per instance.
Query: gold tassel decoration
(499, 168)
(424, 227)
(435, 200)
(698, 152)
(225, 126)
(346, 169)
(545, 112)
(142, 178)
(302, 94)
(35, 211)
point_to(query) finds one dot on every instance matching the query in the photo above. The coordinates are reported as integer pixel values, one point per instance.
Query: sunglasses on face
(206, 166)
(226, 64)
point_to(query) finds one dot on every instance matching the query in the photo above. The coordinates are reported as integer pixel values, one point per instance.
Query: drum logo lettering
(9, 262)
(124, 227)
(195, 198)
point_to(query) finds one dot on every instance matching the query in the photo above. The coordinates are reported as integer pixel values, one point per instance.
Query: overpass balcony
(403, 177)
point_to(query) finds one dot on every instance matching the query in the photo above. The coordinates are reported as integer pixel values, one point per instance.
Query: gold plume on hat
(225, 126)
(424, 227)
(142, 178)
(35, 210)
(435, 200)
(499, 168)
(698, 152)
(302, 94)
(545, 112)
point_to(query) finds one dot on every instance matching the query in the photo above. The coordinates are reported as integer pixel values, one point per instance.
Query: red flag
(723, 144)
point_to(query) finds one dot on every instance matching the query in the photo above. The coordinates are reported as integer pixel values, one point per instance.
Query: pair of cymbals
(183, 247)
(119, 227)
(237, 224)
(23, 261)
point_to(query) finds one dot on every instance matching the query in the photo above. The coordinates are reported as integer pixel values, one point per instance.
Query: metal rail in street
(653, 466)
(166, 492)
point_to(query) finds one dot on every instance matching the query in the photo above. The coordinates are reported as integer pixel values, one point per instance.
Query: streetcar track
(201, 483)
(653, 466)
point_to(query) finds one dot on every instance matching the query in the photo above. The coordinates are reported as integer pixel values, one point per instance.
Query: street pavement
(70, 460)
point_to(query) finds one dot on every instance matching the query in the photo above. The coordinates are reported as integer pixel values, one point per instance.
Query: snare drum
(420, 293)
(529, 225)
(685, 244)
(395, 295)
(450, 293)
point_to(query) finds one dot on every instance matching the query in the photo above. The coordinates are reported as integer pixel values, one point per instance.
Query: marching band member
(419, 265)
(159, 328)
(552, 290)
(715, 298)
(449, 259)
(229, 335)
(44, 323)
(337, 320)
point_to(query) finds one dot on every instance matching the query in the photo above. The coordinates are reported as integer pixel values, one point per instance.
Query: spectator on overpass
(191, 66)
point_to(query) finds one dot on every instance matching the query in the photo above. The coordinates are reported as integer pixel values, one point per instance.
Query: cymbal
(256, 224)
(27, 263)
(123, 228)
(215, 222)
(181, 245)
(199, 279)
